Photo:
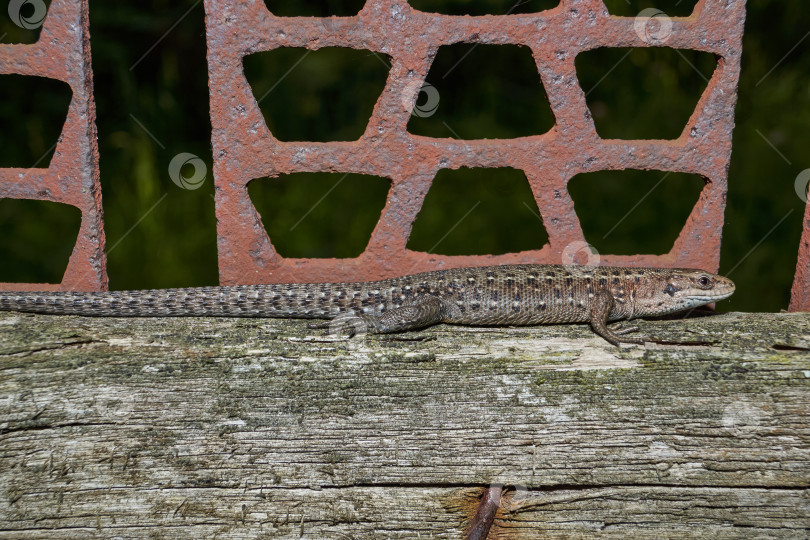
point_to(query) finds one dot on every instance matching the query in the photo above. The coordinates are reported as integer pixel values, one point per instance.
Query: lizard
(506, 295)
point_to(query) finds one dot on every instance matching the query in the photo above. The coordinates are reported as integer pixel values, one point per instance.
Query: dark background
(152, 97)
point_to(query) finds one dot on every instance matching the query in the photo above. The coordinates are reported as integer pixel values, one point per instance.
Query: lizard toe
(624, 331)
(318, 325)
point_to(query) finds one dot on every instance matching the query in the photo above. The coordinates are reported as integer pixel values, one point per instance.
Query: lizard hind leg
(424, 311)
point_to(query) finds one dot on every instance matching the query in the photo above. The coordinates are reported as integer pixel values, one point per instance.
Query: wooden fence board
(262, 428)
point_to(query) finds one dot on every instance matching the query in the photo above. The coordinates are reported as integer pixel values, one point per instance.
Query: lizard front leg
(424, 311)
(603, 302)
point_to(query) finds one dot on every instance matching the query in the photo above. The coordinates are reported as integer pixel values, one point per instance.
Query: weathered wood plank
(411, 512)
(658, 512)
(234, 428)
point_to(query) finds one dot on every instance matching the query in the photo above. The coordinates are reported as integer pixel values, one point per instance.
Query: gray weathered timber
(234, 428)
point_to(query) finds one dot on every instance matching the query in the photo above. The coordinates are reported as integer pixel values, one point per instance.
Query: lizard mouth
(710, 297)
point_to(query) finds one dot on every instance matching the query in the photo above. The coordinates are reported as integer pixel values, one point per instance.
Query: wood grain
(253, 428)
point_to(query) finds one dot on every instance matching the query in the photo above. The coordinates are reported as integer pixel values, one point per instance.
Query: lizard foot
(619, 329)
(350, 325)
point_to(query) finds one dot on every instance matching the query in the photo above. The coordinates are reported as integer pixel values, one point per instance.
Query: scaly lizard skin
(488, 296)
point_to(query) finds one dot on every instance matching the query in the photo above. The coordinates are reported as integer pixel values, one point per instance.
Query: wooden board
(261, 428)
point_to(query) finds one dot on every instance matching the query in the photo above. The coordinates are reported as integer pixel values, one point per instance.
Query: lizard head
(683, 288)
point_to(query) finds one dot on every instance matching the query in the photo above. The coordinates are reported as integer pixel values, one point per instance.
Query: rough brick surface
(800, 293)
(244, 148)
(63, 52)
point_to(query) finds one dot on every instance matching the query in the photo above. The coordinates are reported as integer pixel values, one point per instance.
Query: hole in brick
(314, 8)
(21, 22)
(483, 7)
(482, 92)
(36, 240)
(323, 95)
(32, 113)
(631, 8)
(644, 93)
(633, 211)
(478, 212)
(319, 214)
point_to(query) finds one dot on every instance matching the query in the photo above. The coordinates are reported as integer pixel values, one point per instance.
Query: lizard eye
(705, 282)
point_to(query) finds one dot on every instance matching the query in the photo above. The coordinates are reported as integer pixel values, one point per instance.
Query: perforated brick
(244, 148)
(800, 293)
(63, 52)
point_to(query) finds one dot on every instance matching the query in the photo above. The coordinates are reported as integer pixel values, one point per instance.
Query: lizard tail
(237, 301)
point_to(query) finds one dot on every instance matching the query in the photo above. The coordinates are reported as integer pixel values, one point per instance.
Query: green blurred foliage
(53, 237)
(322, 95)
(676, 78)
(152, 96)
(152, 99)
(21, 26)
(319, 214)
(478, 212)
(510, 102)
(646, 222)
(32, 111)
(764, 215)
